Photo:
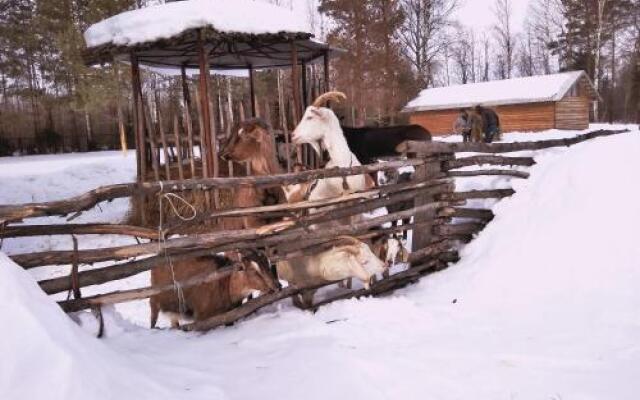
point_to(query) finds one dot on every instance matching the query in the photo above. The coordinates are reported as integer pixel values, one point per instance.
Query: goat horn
(323, 99)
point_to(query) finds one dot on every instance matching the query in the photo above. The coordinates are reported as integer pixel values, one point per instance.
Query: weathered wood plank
(222, 241)
(489, 172)
(440, 147)
(488, 160)
(88, 200)
(78, 229)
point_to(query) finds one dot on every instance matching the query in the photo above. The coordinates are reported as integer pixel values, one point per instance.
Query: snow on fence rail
(430, 198)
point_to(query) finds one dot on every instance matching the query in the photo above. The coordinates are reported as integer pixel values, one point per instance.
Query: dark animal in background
(370, 144)
(490, 123)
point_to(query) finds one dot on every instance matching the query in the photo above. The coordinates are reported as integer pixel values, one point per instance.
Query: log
(241, 312)
(163, 138)
(474, 213)
(142, 293)
(337, 213)
(125, 270)
(469, 228)
(461, 238)
(221, 241)
(488, 160)
(88, 200)
(281, 210)
(78, 229)
(442, 147)
(428, 171)
(116, 272)
(476, 194)
(490, 172)
(428, 251)
(151, 133)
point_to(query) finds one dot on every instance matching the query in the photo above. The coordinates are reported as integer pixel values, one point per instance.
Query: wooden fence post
(423, 234)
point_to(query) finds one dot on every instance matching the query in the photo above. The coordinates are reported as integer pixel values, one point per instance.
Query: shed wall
(572, 113)
(516, 117)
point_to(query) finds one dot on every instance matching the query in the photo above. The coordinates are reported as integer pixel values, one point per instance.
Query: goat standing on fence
(320, 128)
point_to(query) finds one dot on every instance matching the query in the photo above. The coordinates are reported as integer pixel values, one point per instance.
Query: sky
(479, 13)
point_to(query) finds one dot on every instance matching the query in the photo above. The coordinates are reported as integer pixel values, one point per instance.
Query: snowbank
(46, 356)
(167, 20)
(533, 89)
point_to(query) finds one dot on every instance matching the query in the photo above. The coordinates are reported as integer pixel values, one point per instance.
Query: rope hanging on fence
(170, 197)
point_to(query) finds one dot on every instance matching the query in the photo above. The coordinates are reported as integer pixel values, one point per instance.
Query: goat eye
(309, 118)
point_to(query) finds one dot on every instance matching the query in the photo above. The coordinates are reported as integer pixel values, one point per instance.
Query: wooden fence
(434, 207)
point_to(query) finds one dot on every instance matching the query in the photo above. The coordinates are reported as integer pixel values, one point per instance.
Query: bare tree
(526, 62)
(423, 35)
(483, 61)
(546, 20)
(463, 56)
(598, 52)
(505, 37)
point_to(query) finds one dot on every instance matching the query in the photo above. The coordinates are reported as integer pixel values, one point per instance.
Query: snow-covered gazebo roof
(533, 89)
(238, 34)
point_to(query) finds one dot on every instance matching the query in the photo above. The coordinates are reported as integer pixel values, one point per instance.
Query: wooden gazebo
(202, 35)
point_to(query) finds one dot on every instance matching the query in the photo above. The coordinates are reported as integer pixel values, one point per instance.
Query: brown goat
(254, 143)
(208, 299)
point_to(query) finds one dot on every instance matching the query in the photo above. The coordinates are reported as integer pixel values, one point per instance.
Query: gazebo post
(252, 89)
(138, 120)
(187, 121)
(295, 83)
(305, 91)
(207, 139)
(327, 83)
(295, 87)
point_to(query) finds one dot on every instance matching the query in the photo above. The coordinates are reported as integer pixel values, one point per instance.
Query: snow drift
(45, 355)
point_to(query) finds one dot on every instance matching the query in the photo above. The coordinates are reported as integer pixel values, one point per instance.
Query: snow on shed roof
(167, 20)
(534, 89)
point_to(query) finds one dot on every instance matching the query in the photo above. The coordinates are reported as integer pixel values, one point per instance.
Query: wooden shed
(560, 101)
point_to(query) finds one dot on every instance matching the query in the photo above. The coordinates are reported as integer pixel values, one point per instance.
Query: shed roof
(237, 33)
(533, 89)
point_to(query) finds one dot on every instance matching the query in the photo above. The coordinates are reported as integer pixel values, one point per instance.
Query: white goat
(320, 126)
(352, 260)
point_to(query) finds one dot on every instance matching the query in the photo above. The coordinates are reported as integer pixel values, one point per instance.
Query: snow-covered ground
(543, 305)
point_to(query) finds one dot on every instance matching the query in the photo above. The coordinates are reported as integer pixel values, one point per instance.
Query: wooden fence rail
(442, 147)
(90, 199)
